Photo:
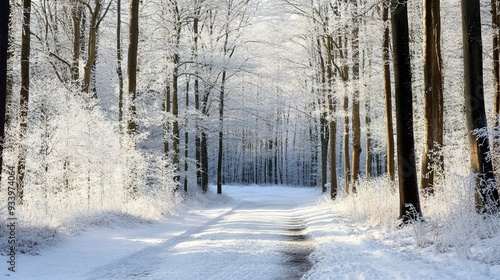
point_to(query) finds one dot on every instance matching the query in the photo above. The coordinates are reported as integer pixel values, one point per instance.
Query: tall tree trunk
(433, 95)
(24, 97)
(175, 124)
(409, 204)
(4, 47)
(345, 145)
(9, 94)
(387, 91)
(132, 66)
(166, 130)
(356, 121)
(186, 141)
(204, 162)
(92, 46)
(368, 144)
(119, 71)
(197, 96)
(76, 18)
(175, 96)
(323, 103)
(487, 192)
(332, 129)
(495, 19)
(221, 132)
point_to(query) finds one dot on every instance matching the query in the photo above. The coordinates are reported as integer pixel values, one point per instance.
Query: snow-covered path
(252, 233)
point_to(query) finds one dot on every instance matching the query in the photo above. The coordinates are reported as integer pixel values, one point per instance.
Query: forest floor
(247, 233)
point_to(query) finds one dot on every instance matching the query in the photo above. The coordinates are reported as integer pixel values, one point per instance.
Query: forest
(129, 107)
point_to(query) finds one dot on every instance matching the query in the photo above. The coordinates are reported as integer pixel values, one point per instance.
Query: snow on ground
(248, 233)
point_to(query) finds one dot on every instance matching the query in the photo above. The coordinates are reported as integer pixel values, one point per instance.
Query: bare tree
(387, 90)
(409, 204)
(132, 66)
(356, 121)
(433, 95)
(487, 192)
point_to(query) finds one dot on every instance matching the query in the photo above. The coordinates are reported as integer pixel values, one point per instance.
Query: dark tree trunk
(356, 121)
(487, 192)
(387, 92)
(433, 95)
(408, 186)
(132, 65)
(221, 133)
(119, 71)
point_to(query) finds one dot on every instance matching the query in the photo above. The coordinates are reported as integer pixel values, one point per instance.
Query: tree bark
(24, 97)
(433, 96)
(132, 66)
(387, 92)
(356, 121)
(175, 96)
(119, 71)
(409, 205)
(368, 144)
(487, 192)
(76, 18)
(221, 132)
(92, 46)
(495, 19)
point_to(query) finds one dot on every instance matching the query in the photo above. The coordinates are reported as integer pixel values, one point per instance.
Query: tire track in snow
(133, 266)
(299, 248)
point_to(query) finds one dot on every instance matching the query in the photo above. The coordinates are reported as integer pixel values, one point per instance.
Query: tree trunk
(76, 18)
(197, 96)
(356, 121)
(409, 205)
(166, 130)
(175, 95)
(132, 66)
(345, 145)
(186, 141)
(387, 92)
(332, 129)
(24, 97)
(204, 162)
(368, 144)
(487, 192)
(92, 46)
(433, 95)
(175, 124)
(119, 71)
(221, 133)
(495, 19)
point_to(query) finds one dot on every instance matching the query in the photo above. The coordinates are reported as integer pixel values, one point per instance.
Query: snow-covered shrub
(81, 171)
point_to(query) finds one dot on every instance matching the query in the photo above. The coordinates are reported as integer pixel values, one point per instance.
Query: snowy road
(258, 233)
(252, 236)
